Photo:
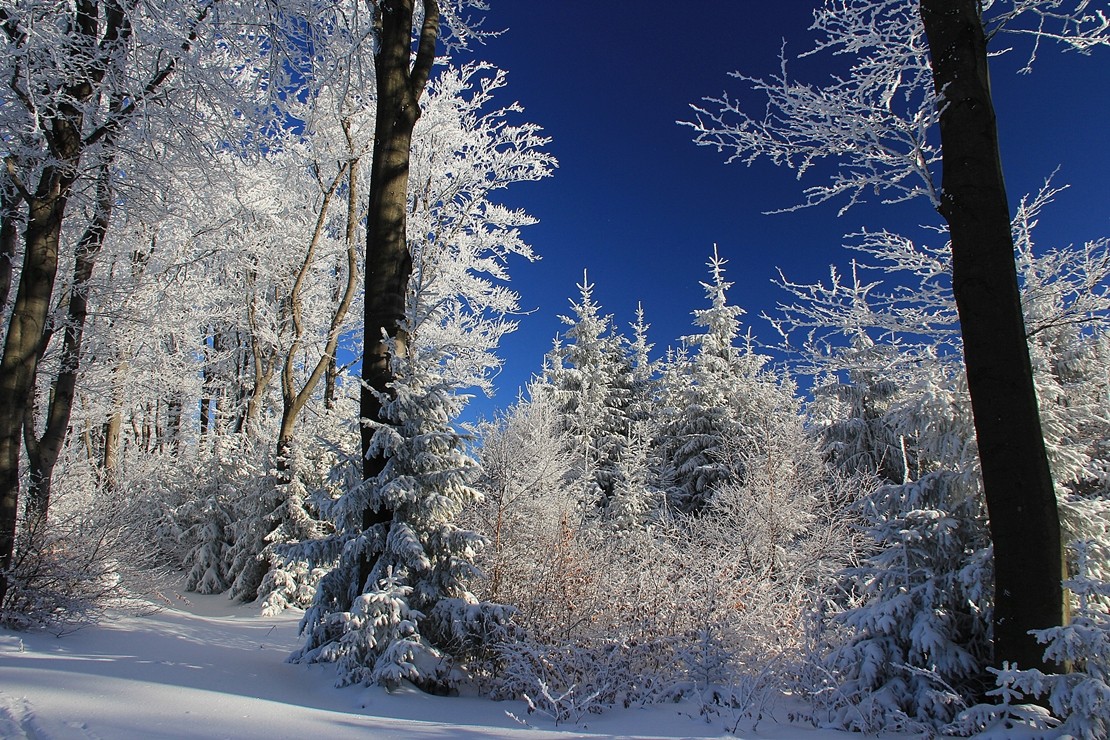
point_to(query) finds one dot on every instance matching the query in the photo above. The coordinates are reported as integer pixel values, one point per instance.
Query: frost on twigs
(873, 122)
(89, 559)
(873, 126)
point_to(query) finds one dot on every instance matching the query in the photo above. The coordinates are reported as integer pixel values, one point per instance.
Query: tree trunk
(43, 452)
(9, 236)
(264, 362)
(110, 460)
(295, 399)
(388, 262)
(1017, 481)
(26, 329)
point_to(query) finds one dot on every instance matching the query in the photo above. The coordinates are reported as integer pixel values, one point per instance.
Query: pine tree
(415, 602)
(591, 380)
(719, 395)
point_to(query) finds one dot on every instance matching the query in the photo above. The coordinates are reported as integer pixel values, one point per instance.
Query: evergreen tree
(591, 380)
(719, 396)
(415, 602)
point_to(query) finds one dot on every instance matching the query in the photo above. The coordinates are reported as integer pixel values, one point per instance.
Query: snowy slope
(207, 668)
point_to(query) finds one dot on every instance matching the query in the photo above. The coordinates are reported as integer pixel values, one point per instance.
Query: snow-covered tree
(409, 610)
(910, 636)
(918, 71)
(402, 562)
(590, 378)
(1078, 701)
(719, 395)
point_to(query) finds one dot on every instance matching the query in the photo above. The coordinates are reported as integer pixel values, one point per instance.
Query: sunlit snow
(206, 667)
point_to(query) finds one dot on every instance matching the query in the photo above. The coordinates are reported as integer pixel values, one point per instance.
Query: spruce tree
(719, 396)
(415, 605)
(591, 380)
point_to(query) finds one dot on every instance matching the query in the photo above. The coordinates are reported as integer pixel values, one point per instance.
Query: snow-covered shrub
(91, 554)
(239, 512)
(525, 466)
(220, 519)
(701, 606)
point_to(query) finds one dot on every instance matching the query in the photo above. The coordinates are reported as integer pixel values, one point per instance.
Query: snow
(207, 667)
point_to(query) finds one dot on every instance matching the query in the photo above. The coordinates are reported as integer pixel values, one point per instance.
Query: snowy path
(207, 668)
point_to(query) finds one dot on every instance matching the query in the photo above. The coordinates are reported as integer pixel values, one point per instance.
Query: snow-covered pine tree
(415, 602)
(637, 499)
(590, 377)
(718, 396)
(644, 401)
(295, 517)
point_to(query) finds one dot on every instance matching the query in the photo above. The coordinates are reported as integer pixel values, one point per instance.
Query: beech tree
(399, 87)
(917, 67)
(893, 401)
(1024, 523)
(78, 75)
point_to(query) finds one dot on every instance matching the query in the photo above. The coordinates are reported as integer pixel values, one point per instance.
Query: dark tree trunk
(388, 262)
(26, 328)
(1021, 503)
(43, 452)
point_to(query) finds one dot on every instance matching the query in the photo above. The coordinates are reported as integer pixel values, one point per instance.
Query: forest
(256, 259)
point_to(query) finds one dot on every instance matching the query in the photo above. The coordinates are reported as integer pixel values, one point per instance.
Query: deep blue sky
(636, 203)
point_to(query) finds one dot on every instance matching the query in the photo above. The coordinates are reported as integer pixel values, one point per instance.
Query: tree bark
(43, 452)
(264, 363)
(26, 328)
(9, 235)
(110, 458)
(1017, 481)
(388, 261)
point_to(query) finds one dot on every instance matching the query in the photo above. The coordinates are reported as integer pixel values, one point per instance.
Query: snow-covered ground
(204, 667)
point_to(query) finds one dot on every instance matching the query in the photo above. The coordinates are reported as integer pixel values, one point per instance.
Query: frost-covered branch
(871, 124)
